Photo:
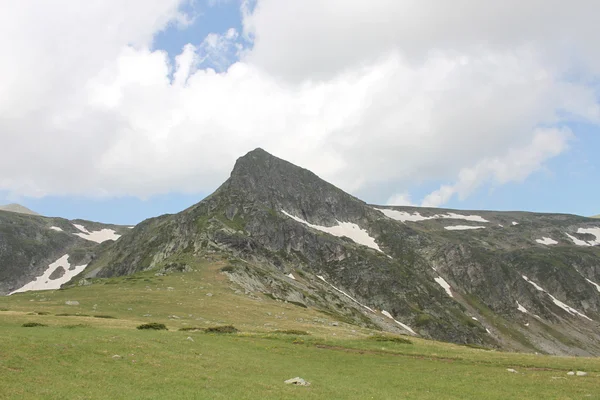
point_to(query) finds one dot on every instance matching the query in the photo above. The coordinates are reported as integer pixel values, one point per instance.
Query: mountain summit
(511, 280)
(17, 208)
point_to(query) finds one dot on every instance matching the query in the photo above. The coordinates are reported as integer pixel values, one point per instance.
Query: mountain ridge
(17, 208)
(445, 275)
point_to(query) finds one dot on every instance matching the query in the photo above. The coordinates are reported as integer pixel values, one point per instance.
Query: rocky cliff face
(29, 244)
(514, 280)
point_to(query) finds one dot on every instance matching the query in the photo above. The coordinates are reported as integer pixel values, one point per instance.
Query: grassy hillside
(92, 350)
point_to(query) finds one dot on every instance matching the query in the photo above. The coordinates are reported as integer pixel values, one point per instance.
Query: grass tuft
(291, 332)
(386, 338)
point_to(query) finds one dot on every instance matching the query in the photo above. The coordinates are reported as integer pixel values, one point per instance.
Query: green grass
(98, 358)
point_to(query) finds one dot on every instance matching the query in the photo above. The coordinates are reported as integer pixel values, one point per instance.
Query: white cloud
(400, 199)
(381, 93)
(516, 166)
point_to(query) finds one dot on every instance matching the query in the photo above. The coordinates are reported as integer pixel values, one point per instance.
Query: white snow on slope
(594, 283)
(577, 242)
(346, 294)
(387, 314)
(415, 217)
(56, 228)
(96, 236)
(591, 231)
(44, 282)
(521, 308)
(462, 227)
(547, 241)
(559, 303)
(348, 229)
(291, 276)
(515, 223)
(442, 282)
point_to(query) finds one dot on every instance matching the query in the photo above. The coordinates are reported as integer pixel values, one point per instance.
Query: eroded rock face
(459, 285)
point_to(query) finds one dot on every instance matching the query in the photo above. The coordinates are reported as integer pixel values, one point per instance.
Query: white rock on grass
(72, 302)
(514, 371)
(571, 373)
(297, 381)
(581, 373)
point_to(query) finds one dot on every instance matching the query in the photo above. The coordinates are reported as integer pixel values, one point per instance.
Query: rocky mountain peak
(261, 178)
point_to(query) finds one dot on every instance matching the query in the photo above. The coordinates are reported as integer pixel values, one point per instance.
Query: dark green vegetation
(153, 325)
(32, 324)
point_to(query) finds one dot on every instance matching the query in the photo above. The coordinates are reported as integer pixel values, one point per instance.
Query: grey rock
(581, 373)
(209, 294)
(571, 373)
(72, 302)
(514, 371)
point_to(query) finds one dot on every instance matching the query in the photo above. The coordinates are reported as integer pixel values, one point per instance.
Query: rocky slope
(30, 244)
(513, 280)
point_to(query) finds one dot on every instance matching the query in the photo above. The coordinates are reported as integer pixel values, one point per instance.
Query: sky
(117, 111)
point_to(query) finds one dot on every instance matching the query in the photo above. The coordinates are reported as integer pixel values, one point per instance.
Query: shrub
(105, 316)
(32, 324)
(291, 332)
(221, 329)
(393, 339)
(72, 315)
(191, 328)
(42, 312)
(73, 326)
(153, 325)
(228, 268)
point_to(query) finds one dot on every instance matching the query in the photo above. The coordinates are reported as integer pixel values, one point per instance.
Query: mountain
(17, 208)
(596, 216)
(511, 280)
(40, 252)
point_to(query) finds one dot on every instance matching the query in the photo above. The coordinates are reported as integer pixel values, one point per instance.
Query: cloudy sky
(121, 110)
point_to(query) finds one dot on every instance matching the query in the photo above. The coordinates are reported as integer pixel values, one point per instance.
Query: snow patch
(590, 231)
(474, 319)
(559, 303)
(442, 282)
(56, 228)
(515, 223)
(462, 227)
(346, 294)
(521, 308)
(347, 229)
(547, 241)
(594, 283)
(501, 226)
(96, 236)
(404, 216)
(577, 242)
(44, 282)
(387, 314)
(291, 276)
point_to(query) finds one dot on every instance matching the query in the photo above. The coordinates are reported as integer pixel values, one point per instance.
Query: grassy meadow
(94, 351)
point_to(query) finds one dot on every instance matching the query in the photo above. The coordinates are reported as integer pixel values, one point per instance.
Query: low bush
(105, 316)
(221, 329)
(153, 325)
(32, 324)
